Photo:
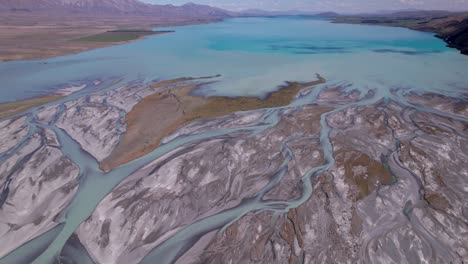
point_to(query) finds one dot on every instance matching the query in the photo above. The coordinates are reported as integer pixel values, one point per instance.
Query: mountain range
(260, 12)
(112, 7)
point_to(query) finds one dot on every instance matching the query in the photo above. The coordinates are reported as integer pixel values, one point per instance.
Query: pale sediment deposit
(337, 175)
(38, 182)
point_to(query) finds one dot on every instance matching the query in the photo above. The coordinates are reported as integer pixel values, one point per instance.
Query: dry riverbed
(343, 176)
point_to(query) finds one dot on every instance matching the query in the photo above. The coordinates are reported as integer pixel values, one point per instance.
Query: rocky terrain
(338, 176)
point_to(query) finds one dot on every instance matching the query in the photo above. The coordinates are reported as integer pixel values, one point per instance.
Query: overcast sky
(327, 5)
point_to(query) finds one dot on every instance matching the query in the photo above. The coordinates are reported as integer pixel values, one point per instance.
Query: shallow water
(255, 52)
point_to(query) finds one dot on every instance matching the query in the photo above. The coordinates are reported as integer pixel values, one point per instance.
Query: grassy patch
(162, 113)
(219, 106)
(9, 109)
(363, 172)
(120, 35)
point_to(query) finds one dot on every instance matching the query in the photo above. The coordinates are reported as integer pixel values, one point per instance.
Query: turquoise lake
(254, 56)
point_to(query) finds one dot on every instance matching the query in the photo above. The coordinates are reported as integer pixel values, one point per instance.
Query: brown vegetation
(363, 172)
(30, 37)
(9, 109)
(160, 114)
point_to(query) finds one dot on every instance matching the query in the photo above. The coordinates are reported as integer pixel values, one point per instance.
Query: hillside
(111, 7)
(451, 27)
(38, 29)
(266, 13)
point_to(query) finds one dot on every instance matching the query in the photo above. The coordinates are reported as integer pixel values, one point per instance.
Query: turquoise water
(254, 56)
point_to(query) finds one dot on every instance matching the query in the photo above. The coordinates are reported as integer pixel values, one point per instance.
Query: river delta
(327, 143)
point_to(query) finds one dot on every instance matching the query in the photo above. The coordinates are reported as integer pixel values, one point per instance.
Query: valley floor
(35, 37)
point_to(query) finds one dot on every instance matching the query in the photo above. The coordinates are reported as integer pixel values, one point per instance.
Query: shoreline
(453, 34)
(41, 44)
(63, 46)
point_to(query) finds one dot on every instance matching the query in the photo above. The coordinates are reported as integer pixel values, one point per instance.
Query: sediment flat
(162, 113)
(335, 168)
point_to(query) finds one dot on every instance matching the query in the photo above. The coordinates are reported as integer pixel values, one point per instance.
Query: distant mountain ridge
(260, 12)
(265, 13)
(112, 7)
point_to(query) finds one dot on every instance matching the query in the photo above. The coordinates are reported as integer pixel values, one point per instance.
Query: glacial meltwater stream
(253, 57)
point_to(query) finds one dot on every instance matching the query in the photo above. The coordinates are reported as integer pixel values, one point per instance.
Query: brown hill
(38, 29)
(112, 7)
